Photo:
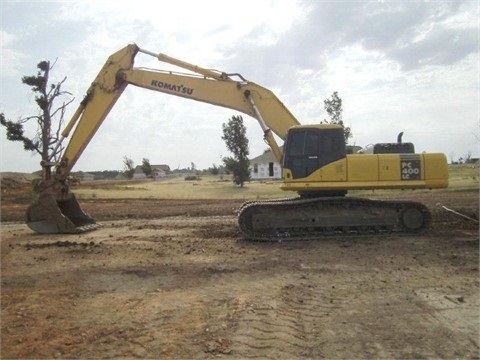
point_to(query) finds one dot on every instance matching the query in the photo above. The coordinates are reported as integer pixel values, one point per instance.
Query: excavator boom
(203, 85)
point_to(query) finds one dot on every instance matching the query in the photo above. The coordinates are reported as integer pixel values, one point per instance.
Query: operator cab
(308, 148)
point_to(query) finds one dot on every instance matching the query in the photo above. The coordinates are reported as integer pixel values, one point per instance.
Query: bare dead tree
(49, 119)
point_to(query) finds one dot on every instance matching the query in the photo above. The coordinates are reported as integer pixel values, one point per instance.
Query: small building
(158, 172)
(265, 167)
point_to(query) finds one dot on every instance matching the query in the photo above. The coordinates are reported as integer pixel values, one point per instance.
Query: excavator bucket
(50, 216)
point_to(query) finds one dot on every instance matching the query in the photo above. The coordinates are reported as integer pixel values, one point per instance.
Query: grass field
(462, 177)
(209, 187)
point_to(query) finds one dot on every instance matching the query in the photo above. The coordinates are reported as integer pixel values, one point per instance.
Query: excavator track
(310, 218)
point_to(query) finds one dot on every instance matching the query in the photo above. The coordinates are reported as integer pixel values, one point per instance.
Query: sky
(398, 66)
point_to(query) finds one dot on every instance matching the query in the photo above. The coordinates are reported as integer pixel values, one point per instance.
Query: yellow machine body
(375, 171)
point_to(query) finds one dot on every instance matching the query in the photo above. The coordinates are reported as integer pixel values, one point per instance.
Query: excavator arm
(201, 85)
(57, 210)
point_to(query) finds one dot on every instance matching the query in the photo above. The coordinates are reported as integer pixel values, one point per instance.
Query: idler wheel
(413, 219)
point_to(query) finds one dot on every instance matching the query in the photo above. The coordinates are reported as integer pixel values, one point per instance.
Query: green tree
(214, 170)
(234, 135)
(146, 167)
(232, 166)
(128, 167)
(49, 119)
(333, 106)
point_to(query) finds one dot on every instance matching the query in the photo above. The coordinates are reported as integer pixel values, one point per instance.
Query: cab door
(308, 149)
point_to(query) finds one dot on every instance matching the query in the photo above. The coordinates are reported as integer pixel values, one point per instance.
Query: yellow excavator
(314, 159)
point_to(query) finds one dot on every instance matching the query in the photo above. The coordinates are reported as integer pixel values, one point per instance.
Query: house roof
(266, 157)
(164, 167)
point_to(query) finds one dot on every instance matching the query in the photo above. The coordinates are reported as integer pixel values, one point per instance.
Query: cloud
(414, 34)
(10, 57)
(440, 47)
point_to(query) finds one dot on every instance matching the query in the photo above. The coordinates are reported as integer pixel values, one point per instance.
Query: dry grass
(210, 187)
(462, 177)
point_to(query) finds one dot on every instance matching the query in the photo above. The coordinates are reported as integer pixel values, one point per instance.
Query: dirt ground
(175, 279)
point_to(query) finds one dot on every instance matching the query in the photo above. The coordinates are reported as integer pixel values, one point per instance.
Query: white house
(265, 167)
(158, 171)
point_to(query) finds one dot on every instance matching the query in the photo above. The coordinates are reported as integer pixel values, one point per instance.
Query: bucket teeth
(86, 228)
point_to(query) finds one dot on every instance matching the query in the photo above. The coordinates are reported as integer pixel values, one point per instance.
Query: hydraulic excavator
(314, 159)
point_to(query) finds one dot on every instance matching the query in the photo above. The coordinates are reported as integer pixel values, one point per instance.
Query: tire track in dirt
(286, 327)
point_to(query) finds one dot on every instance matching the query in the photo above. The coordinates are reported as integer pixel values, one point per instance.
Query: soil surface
(175, 279)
